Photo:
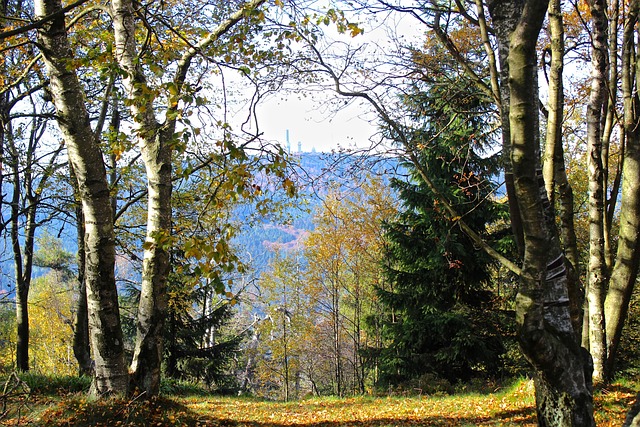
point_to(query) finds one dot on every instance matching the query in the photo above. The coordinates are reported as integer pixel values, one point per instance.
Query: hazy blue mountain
(313, 173)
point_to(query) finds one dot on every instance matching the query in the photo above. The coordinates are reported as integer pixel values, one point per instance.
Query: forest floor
(510, 407)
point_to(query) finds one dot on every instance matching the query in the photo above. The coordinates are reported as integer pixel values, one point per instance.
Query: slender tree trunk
(84, 153)
(81, 343)
(20, 263)
(285, 359)
(547, 338)
(625, 270)
(597, 271)
(22, 324)
(156, 143)
(505, 18)
(607, 130)
(156, 152)
(554, 171)
(147, 357)
(337, 342)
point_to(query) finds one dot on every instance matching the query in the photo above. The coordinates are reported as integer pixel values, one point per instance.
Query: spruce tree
(438, 297)
(200, 344)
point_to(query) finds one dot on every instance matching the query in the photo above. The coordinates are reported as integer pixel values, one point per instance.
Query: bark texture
(111, 376)
(155, 144)
(81, 343)
(156, 141)
(546, 334)
(505, 16)
(554, 171)
(597, 271)
(625, 270)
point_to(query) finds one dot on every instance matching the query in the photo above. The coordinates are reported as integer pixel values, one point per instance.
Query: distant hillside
(314, 174)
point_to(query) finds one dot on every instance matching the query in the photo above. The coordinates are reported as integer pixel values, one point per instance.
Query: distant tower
(299, 146)
(288, 143)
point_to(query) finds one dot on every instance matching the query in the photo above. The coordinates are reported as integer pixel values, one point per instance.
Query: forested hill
(315, 174)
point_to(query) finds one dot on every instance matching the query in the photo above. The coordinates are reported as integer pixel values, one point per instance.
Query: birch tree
(157, 140)
(562, 377)
(625, 269)
(554, 170)
(597, 264)
(83, 150)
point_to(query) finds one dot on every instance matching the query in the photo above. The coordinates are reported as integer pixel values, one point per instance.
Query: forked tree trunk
(156, 144)
(546, 334)
(22, 264)
(111, 376)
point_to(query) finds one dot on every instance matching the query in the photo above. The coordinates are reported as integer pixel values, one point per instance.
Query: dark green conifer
(439, 301)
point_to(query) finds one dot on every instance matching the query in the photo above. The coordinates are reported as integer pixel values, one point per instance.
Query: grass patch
(511, 406)
(55, 385)
(172, 387)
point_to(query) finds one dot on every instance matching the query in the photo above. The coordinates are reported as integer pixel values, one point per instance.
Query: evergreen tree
(200, 343)
(438, 297)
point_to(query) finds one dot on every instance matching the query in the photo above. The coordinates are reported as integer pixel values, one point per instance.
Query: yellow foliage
(50, 325)
(8, 337)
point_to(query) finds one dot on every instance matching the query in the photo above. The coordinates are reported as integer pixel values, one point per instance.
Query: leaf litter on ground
(512, 407)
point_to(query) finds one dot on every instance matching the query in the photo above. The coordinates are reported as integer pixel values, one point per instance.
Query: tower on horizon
(288, 143)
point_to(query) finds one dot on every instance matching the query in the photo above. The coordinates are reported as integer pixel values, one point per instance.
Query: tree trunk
(546, 335)
(22, 326)
(597, 271)
(625, 270)
(22, 264)
(84, 153)
(554, 171)
(609, 122)
(505, 18)
(633, 417)
(152, 308)
(156, 152)
(81, 344)
(156, 142)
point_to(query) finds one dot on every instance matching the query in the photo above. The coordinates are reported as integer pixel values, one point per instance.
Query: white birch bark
(597, 271)
(156, 144)
(625, 270)
(111, 376)
(554, 172)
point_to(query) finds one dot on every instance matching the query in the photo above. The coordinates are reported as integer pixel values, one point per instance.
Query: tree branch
(40, 22)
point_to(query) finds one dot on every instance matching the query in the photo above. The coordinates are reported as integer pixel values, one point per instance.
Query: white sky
(312, 123)
(316, 122)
